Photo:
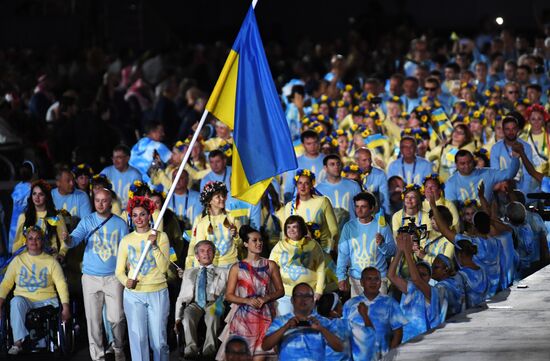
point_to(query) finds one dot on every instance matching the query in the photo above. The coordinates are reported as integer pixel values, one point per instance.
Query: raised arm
(443, 227)
(423, 286)
(518, 148)
(399, 282)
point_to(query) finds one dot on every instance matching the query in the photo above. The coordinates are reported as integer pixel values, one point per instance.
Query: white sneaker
(15, 350)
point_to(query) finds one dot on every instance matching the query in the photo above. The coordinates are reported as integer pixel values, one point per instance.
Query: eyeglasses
(428, 89)
(513, 92)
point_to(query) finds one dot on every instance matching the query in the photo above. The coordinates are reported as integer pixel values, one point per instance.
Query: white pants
(147, 317)
(19, 307)
(100, 291)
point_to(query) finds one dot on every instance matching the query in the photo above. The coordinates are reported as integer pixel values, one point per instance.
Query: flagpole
(170, 192)
(173, 187)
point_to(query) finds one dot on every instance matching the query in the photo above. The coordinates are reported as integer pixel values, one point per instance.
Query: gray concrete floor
(514, 325)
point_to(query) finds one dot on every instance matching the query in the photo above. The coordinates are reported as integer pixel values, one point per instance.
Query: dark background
(165, 24)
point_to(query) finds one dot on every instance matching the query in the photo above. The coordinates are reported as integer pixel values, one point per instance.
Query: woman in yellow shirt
(537, 136)
(215, 225)
(412, 197)
(301, 260)
(444, 154)
(38, 280)
(313, 207)
(146, 302)
(41, 212)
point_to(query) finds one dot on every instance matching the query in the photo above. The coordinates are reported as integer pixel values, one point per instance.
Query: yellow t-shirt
(35, 277)
(152, 276)
(220, 235)
(317, 209)
(300, 261)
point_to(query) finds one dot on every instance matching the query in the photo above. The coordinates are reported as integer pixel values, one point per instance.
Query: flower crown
(82, 169)
(326, 100)
(304, 173)
(314, 229)
(395, 99)
(339, 132)
(435, 177)
(349, 169)
(470, 203)
(343, 104)
(431, 100)
(136, 186)
(101, 179)
(226, 148)
(140, 201)
(210, 189)
(413, 187)
(376, 117)
(33, 228)
(523, 101)
(491, 90)
(333, 142)
(538, 108)
(470, 86)
(158, 190)
(477, 115)
(359, 110)
(423, 113)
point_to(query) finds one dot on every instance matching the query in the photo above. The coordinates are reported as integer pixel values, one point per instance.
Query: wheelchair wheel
(65, 339)
(5, 334)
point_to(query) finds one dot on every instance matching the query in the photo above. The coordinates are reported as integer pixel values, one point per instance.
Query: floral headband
(33, 228)
(333, 142)
(136, 186)
(82, 169)
(349, 169)
(158, 190)
(304, 173)
(436, 178)
(226, 148)
(315, 230)
(376, 117)
(101, 179)
(413, 188)
(139, 201)
(540, 109)
(210, 189)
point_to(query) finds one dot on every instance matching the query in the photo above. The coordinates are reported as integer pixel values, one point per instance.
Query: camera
(304, 323)
(417, 232)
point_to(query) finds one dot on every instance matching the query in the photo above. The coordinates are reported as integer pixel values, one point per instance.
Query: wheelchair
(47, 333)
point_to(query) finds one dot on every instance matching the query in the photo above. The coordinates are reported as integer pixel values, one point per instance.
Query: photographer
(302, 334)
(412, 197)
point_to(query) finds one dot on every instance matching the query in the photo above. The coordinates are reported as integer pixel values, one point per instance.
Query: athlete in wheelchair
(39, 281)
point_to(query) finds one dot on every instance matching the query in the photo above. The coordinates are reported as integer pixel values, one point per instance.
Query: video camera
(417, 232)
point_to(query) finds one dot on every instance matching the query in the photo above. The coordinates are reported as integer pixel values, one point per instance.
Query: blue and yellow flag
(246, 100)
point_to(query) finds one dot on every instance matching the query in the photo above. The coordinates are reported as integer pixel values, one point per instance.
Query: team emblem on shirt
(30, 281)
(103, 245)
(149, 262)
(297, 266)
(364, 254)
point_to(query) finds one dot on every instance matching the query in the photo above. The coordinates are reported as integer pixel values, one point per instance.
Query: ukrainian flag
(246, 100)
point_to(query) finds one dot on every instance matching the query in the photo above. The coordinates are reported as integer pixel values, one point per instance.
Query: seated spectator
(201, 293)
(35, 287)
(302, 334)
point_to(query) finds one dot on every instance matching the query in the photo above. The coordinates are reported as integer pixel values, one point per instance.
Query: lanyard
(186, 203)
(405, 174)
(535, 145)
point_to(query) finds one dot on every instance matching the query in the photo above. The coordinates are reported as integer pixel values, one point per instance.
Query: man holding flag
(366, 241)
